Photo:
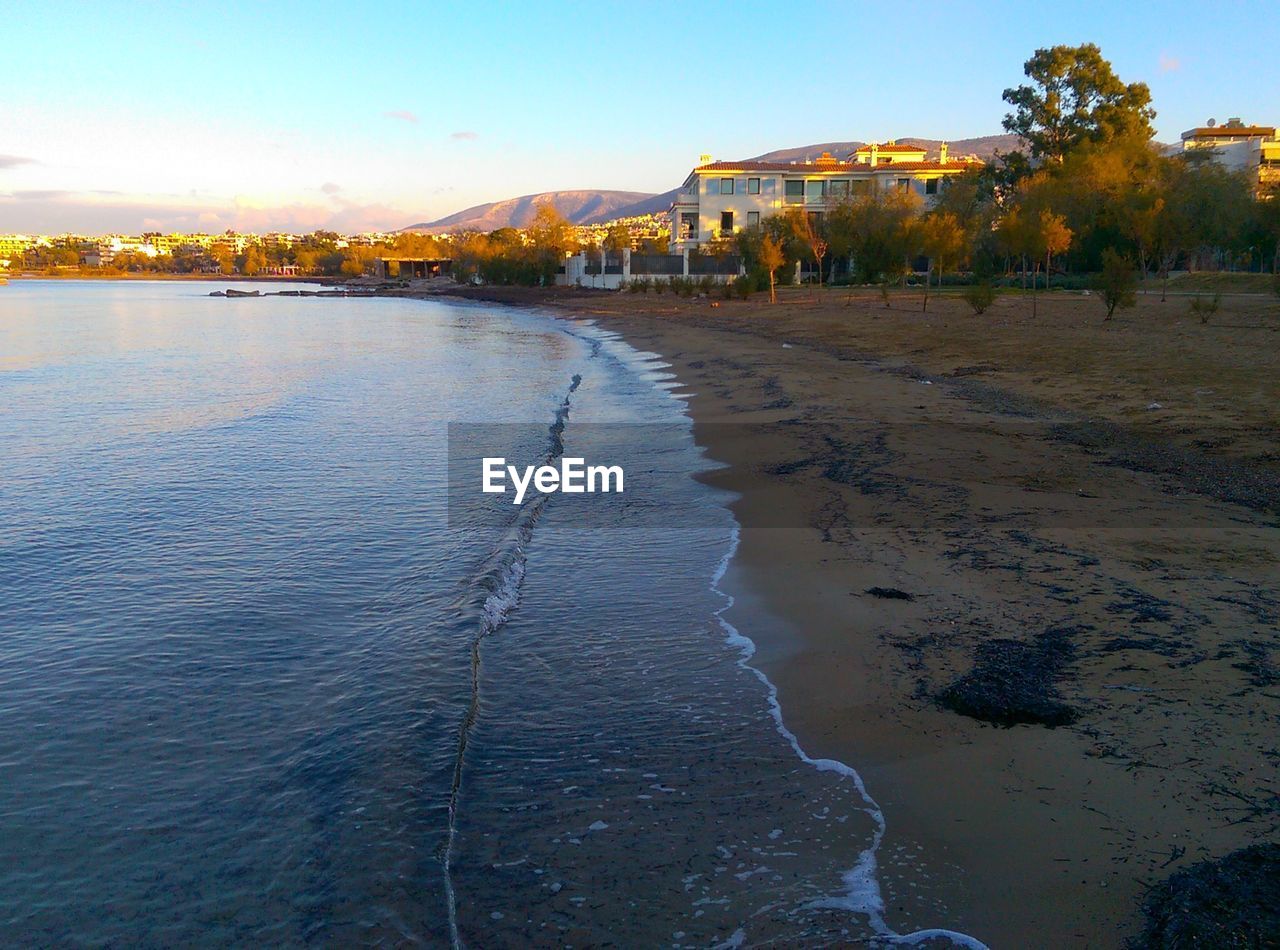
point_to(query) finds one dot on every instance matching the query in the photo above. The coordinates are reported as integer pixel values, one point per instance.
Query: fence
(610, 272)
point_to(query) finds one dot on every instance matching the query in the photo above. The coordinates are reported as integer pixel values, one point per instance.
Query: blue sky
(202, 116)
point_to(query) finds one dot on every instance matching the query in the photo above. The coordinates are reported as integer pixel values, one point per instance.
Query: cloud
(465, 136)
(1169, 64)
(403, 115)
(55, 212)
(330, 188)
(49, 195)
(13, 161)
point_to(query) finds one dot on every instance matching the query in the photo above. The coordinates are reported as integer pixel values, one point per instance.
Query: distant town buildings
(1251, 149)
(274, 253)
(719, 199)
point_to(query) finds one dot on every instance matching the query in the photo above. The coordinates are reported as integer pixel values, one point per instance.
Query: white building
(721, 198)
(1252, 149)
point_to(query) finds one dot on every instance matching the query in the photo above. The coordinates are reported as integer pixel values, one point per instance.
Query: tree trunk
(773, 297)
(927, 274)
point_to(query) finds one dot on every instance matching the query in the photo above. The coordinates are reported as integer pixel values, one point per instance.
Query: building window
(688, 225)
(753, 186)
(815, 190)
(795, 192)
(753, 219)
(726, 222)
(931, 186)
(839, 188)
(904, 184)
(726, 186)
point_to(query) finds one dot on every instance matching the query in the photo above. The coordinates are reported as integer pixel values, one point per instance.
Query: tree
(880, 226)
(808, 230)
(617, 238)
(771, 258)
(550, 239)
(1034, 235)
(1074, 97)
(943, 241)
(1015, 238)
(1204, 207)
(1117, 282)
(250, 261)
(1055, 238)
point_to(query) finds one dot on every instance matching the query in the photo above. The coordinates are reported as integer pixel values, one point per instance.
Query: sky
(177, 116)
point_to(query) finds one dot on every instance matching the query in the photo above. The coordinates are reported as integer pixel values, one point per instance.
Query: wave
(862, 893)
(492, 595)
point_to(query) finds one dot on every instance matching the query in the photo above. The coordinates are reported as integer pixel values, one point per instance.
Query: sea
(264, 680)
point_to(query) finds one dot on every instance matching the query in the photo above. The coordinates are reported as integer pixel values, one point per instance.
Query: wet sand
(1030, 509)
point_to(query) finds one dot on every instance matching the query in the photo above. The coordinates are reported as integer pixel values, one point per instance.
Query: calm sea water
(257, 687)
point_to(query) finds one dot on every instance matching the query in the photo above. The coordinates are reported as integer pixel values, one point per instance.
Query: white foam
(862, 893)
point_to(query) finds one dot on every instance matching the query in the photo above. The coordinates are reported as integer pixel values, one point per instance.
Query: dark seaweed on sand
(1014, 682)
(1226, 904)
(890, 593)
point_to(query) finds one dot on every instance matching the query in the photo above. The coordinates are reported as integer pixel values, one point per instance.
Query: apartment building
(1252, 149)
(718, 199)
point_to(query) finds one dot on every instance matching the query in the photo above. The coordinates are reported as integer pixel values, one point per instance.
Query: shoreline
(855, 475)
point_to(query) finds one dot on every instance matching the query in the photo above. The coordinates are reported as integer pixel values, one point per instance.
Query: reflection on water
(236, 633)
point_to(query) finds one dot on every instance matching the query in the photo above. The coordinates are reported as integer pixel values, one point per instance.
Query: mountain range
(596, 207)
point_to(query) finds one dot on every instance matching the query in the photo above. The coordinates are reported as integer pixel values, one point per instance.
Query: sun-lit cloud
(403, 115)
(50, 194)
(13, 161)
(465, 136)
(1169, 64)
(330, 188)
(55, 212)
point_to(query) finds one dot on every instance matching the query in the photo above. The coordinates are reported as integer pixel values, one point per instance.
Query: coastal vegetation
(1089, 193)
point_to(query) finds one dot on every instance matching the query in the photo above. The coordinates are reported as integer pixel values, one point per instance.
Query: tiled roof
(1226, 131)
(954, 164)
(750, 166)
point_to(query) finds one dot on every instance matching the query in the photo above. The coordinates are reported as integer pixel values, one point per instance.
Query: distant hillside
(985, 147)
(653, 204)
(580, 207)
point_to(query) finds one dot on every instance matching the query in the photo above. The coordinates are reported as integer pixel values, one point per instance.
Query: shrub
(706, 284)
(659, 285)
(726, 289)
(638, 285)
(1275, 283)
(675, 283)
(1204, 309)
(743, 286)
(979, 296)
(1117, 283)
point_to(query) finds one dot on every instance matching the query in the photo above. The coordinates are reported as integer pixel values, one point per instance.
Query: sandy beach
(1021, 574)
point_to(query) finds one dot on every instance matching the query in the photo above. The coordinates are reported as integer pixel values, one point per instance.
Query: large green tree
(1074, 97)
